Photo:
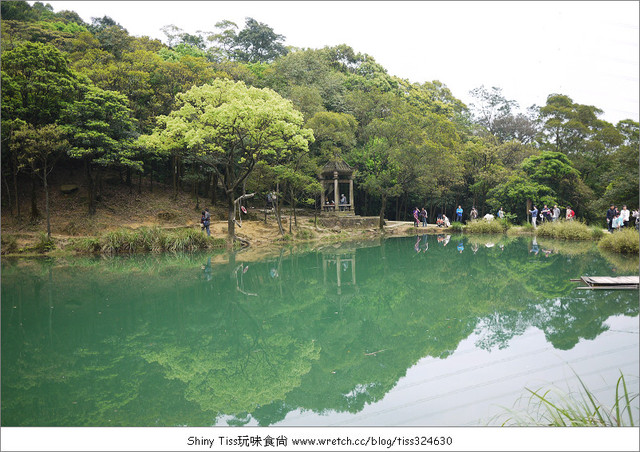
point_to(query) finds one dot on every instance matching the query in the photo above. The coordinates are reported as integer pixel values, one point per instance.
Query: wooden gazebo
(334, 173)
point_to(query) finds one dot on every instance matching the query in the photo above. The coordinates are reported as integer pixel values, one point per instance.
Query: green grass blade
(626, 397)
(593, 401)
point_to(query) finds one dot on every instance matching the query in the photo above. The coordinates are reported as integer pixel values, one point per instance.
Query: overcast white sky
(587, 50)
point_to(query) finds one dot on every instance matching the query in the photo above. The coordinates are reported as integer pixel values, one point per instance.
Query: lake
(426, 330)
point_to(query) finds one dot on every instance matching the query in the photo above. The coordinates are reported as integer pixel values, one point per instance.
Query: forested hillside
(233, 110)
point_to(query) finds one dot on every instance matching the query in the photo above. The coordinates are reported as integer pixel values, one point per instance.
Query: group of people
(618, 219)
(331, 205)
(547, 214)
(420, 216)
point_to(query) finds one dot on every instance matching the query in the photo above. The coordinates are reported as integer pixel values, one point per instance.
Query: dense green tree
(258, 43)
(40, 83)
(434, 97)
(231, 128)
(335, 134)
(101, 132)
(576, 131)
(555, 170)
(38, 149)
(517, 192)
(623, 177)
(17, 10)
(37, 85)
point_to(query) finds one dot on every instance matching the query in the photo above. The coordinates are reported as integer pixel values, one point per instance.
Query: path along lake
(425, 330)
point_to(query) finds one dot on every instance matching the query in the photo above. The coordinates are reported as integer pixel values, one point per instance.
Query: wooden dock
(609, 283)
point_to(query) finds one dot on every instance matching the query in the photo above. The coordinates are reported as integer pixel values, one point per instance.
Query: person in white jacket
(624, 214)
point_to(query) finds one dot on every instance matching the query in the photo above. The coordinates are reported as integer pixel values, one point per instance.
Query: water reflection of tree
(174, 348)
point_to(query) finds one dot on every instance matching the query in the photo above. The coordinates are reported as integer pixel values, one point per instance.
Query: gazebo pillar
(335, 189)
(322, 182)
(353, 207)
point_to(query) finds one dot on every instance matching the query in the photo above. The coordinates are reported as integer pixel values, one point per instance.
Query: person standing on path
(416, 220)
(534, 216)
(206, 221)
(459, 214)
(611, 213)
(624, 214)
(423, 215)
(556, 213)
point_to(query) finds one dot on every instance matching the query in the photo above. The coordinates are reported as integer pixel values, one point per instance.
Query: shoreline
(262, 237)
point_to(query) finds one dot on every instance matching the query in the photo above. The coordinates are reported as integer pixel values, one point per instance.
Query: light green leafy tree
(230, 128)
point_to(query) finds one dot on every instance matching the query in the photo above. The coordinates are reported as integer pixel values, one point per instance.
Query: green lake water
(427, 330)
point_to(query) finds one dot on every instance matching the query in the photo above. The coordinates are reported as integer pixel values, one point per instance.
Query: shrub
(597, 232)
(456, 226)
(44, 244)
(9, 243)
(525, 229)
(626, 241)
(566, 230)
(87, 244)
(486, 227)
(148, 239)
(305, 234)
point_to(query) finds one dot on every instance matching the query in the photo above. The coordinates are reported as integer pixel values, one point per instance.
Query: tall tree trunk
(175, 177)
(366, 206)
(98, 184)
(382, 207)
(151, 180)
(293, 207)
(46, 201)
(90, 185)
(214, 189)
(8, 194)
(34, 199)
(129, 182)
(139, 182)
(195, 189)
(315, 213)
(231, 225)
(15, 188)
(277, 201)
(206, 187)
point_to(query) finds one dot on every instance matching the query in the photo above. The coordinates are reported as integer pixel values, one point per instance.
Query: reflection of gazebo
(333, 174)
(344, 261)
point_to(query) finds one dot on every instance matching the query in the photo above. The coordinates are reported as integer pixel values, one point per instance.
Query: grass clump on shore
(152, 239)
(576, 410)
(9, 243)
(487, 227)
(625, 241)
(525, 229)
(456, 226)
(566, 230)
(305, 234)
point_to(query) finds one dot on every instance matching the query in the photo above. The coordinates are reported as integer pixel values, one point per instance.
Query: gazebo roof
(338, 165)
